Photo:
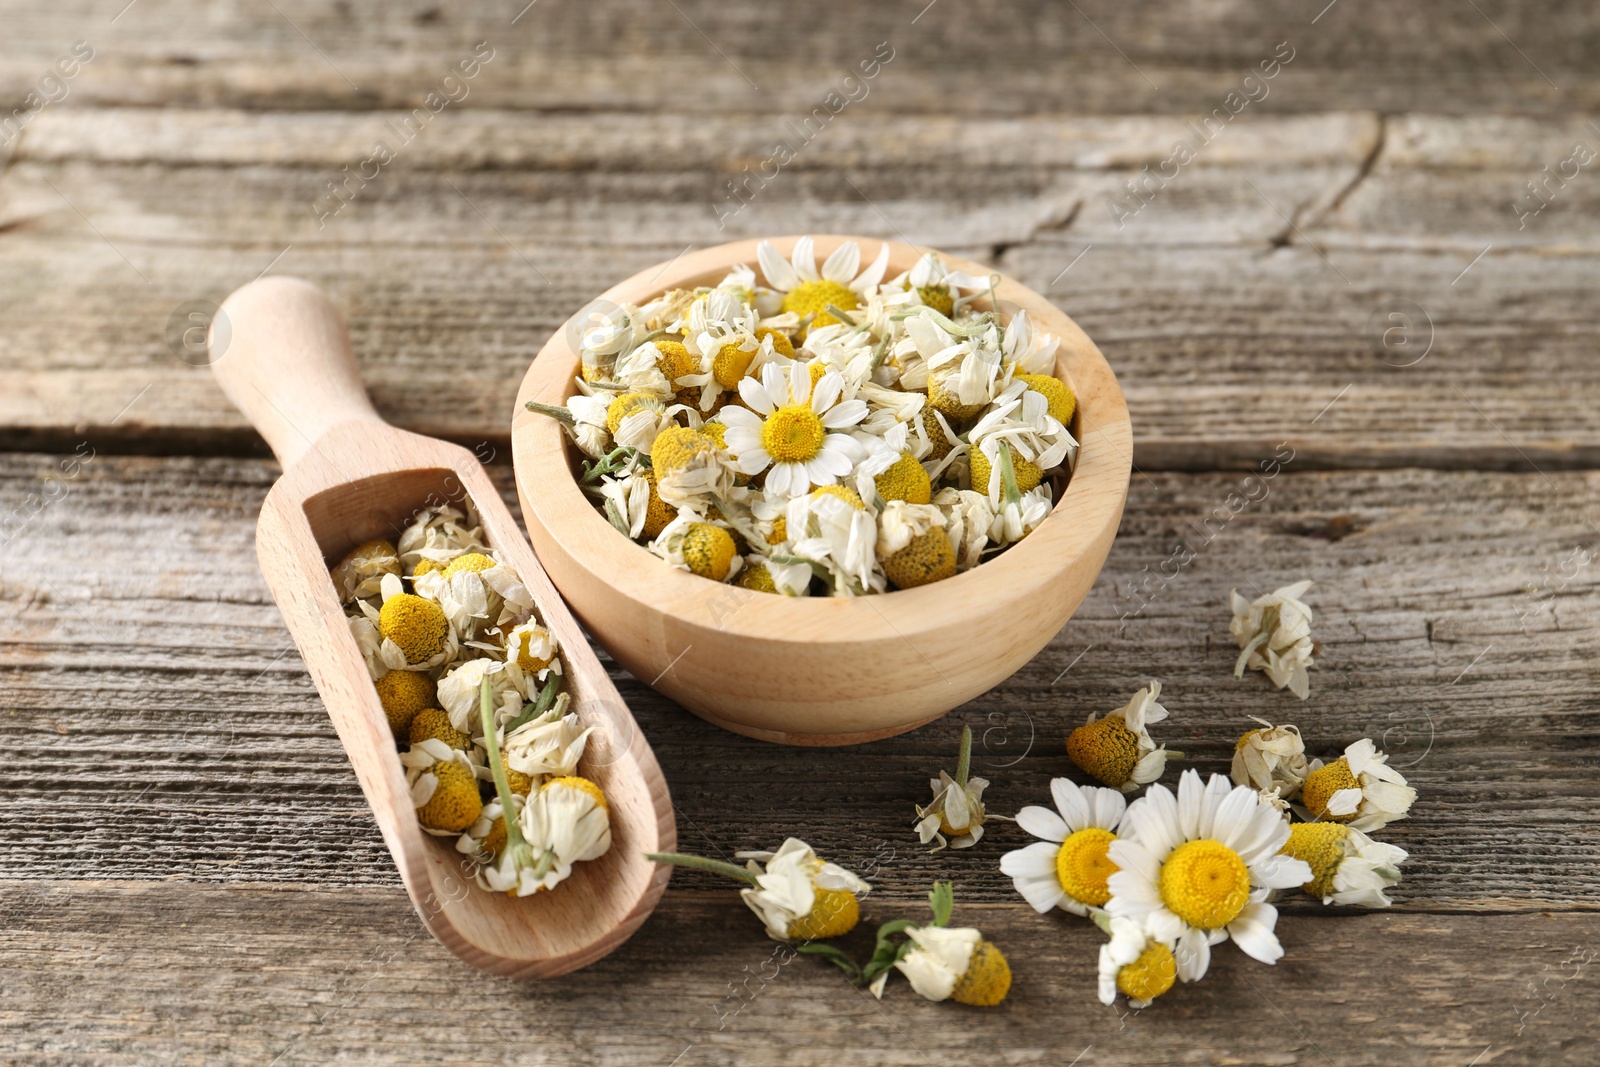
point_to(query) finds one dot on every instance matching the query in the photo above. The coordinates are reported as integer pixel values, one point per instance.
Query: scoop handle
(281, 353)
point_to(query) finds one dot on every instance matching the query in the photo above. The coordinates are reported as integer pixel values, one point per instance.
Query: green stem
(843, 316)
(560, 414)
(700, 863)
(964, 760)
(515, 844)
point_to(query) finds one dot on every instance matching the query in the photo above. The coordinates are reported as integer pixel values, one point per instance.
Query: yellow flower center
(1084, 864)
(417, 625)
(780, 341)
(657, 513)
(792, 434)
(780, 530)
(678, 447)
(814, 298)
(906, 480)
(495, 839)
(987, 979)
(730, 364)
(1149, 976)
(936, 435)
(582, 785)
(938, 298)
(675, 361)
(1322, 784)
(472, 561)
(843, 492)
(924, 560)
(1106, 749)
(425, 566)
(403, 694)
(708, 550)
(625, 404)
(1056, 392)
(833, 912)
(526, 658)
(1205, 884)
(455, 804)
(942, 399)
(434, 724)
(1323, 846)
(756, 578)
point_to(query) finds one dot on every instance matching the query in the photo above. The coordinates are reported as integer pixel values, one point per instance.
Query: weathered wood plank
(170, 731)
(973, 58)
(446, 302)
(170, 973)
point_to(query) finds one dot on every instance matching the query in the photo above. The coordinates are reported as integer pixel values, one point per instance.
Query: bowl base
(781, 737)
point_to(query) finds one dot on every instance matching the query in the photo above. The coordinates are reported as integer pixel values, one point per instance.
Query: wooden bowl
(822, 670)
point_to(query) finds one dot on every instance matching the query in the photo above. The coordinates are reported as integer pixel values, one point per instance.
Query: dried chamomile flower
(797, 895)
(1359, 789)
(912, 545)
(403, 694)
(413, 626)
(957, 807)
(435, 537)
(1195, 869)
(444, 787)
(533, 649)
(1274, 635)
(1133, 963)
(434, 724)
(956, 964)
(1069, 867)
(699, 547)
(1117, 749)
(361, 571)
(793, 431)
(550, 745)
(1347, 866)
(967, 518)
(458, 689)
(565, 821)
(832, 529)
(1272, 758)
(806, 291)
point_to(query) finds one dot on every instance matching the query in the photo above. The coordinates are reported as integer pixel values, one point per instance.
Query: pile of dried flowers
(472, 686)
(822, 432)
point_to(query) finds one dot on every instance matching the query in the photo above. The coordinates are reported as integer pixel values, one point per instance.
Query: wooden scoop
(349, 477)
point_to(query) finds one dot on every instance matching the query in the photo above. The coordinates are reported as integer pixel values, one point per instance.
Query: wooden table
(1349, 268)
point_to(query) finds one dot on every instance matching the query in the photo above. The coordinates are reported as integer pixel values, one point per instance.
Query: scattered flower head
(1070, 866)
(1347, 866)
(957, 808)
(1271, 758)
(796, 894)
(1274, 635)
(1133, 963)
(1117, 748)
(1359, 789)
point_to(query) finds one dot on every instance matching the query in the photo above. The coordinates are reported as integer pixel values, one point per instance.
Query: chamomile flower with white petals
(794, 429)
(565, 821)
(1133, 963)
(1347, 866)
(798, 896)
(1117, 748)
(832, 530)
(370, 642)
(968, 517)
(1359, 789)
(1274, 635)
(957, 807)
(955, 963)
(458, 690)
(1197, 868)
(806, 291)
(361, 572)
(1019, 517)
(936, 286)
(1027, 349)
(550, 745)
(589, 429)
(1069, 866)
(1271, 758)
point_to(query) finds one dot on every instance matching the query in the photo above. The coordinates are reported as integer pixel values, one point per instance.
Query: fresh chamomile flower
(806, 291)
(1272, 758)
(957, 964)
(1359, 789)
(796, 894)
(1133, 963)
(1117, 749)
(793, 429)
(363, 567)
(1197, 868)
(1070, 866)
(1274, 635)
(444, 787)
(1347, 866)
(957, 807)
(550, 745)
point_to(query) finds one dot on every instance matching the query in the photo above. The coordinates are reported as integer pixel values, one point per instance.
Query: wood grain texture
(112, 973)
(174, 733)
(992, 57)
(1272, 262)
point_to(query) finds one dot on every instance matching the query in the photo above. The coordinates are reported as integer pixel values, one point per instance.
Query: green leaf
(942, 899)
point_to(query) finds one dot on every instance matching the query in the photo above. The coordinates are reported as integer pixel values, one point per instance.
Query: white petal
(756, 395)
(844, 414)
(1042, 823)
(869, 278)
(779, 274)
(1106, 807)
(1071, 803)
(841, 266)
(804, 259)
(1193, 952)
(1252, 931)
(826, 391)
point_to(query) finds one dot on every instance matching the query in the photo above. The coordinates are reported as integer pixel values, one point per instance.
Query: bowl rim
(1093, 498)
